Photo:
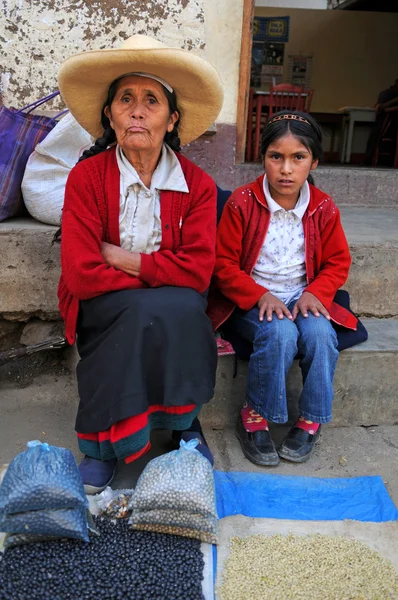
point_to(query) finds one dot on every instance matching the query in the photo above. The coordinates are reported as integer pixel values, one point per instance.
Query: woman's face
(140, 115)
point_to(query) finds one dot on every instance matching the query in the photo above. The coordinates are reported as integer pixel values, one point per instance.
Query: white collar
(168, 174)
(301, 204)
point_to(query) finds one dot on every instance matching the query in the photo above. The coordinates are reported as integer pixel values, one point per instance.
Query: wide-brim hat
(84, 81)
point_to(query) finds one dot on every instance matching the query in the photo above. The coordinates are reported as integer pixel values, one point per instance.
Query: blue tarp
(303, 498)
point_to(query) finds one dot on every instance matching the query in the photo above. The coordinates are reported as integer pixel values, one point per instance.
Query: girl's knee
(317, 332)
(281, 331)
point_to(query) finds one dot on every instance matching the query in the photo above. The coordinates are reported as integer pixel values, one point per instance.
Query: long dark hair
(304, 127)
(108, 137)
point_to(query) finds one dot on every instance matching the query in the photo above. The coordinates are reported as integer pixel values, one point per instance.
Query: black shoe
(298, 445)
(257, 446)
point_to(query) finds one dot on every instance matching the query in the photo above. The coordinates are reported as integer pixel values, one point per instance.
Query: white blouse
(281, 265)
(139, 215)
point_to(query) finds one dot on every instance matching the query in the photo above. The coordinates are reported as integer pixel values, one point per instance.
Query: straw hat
(84, 80)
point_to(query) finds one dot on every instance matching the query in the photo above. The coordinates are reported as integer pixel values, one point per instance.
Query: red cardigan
(240, 236)
(90, 216)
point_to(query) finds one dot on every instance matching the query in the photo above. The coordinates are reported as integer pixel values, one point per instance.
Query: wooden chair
(388, 137)
(285, 97)
(281, 97)
(307, 101)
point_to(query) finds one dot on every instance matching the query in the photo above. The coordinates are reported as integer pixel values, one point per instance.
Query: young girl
(281, 257)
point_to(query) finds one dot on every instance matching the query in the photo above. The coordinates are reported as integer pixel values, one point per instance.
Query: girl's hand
(309, 302)
(268, 304)
(119, 258)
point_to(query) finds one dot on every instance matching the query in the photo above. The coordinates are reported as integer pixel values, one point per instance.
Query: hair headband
(289, 117)
(150, 76)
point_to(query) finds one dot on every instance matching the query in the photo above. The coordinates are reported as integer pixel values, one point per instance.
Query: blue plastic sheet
(303, 498)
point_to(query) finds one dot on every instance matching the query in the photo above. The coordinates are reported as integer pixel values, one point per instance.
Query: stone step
(41, 403)
(365, 383)
(29, 264)
(352, 186)
(373, 237)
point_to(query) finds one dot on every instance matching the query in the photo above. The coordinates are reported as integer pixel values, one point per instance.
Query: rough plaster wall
(223, 30)
(37, 35)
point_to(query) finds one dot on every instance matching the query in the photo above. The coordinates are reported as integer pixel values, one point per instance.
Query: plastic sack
(19, 539)
(48, 167)
(63, 522)
(42, 477)
(175, 494)
(114, 504)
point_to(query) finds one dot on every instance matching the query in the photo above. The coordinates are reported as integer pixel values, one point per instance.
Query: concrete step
(42, 401)
(46, 410)
(373, 237)
(352, 186)
(365, 383)
(29, 265)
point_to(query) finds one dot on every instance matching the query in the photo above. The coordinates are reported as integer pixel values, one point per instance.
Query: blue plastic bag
(63, 522)
(42, 477)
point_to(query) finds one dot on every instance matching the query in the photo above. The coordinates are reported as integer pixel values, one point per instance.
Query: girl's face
(287, 165)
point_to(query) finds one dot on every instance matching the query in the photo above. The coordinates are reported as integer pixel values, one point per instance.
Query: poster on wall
(257, 63)
(272, 69)
(267, 63)
(271, 29)
(300, 70)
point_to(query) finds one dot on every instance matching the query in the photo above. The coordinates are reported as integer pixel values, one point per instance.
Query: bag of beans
(42, 497)
(42, 477)
(175, 494)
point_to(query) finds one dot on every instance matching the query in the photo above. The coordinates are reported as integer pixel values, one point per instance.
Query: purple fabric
(19, 134)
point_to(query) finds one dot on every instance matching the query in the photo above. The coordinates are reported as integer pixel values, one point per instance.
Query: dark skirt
(148, 360)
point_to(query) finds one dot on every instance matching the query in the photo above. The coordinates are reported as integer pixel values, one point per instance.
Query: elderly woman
(138, 250)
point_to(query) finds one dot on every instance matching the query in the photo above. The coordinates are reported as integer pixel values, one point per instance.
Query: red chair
(307, 100)
(281, 97)
(285, 97)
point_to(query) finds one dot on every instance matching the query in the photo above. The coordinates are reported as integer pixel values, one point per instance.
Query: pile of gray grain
(300, 567)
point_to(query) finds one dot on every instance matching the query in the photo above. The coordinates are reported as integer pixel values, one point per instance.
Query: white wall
(322, 4)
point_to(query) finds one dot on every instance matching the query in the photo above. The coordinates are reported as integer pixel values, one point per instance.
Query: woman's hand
(119, 258)
(309, 302)
(268, 304)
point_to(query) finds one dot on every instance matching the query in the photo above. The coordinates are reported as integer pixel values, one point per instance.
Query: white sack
(48, 167)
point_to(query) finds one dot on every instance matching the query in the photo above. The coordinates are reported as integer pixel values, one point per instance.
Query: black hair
(304, 127)
(108, 137)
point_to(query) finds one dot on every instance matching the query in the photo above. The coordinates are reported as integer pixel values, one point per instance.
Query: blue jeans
(275, 345)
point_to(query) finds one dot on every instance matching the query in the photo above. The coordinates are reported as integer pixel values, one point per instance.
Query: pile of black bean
(119, 564)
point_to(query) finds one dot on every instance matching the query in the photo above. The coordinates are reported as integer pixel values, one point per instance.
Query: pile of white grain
(301, 567)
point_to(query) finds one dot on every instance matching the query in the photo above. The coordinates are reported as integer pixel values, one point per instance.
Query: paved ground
(45, 410)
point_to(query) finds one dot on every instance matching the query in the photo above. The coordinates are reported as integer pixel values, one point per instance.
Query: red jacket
(90, 216)
(240, 236)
